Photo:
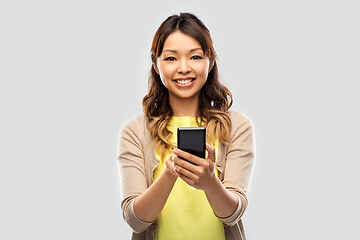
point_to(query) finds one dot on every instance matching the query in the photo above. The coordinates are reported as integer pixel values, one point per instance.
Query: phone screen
(192, 140)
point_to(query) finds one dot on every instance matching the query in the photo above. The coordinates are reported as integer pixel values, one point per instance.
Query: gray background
(73, 72)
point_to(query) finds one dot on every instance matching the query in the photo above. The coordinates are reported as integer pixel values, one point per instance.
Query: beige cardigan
(137, 161)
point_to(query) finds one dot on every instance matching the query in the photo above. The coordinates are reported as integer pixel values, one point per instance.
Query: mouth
(185, 82)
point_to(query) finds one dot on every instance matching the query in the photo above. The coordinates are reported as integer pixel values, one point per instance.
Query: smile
(184, 83)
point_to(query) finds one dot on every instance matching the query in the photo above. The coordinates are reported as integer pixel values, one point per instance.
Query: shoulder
(241, 126)
(242, 132)
(137, 121)
(135, 125)
(239, 119)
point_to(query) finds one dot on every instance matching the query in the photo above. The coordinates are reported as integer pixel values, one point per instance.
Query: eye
(170, 59)
(197, 57)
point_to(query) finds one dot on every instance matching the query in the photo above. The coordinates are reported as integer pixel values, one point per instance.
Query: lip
(186, 85)
(184, 78)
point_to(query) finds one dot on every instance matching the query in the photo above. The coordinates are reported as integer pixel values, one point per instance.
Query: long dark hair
(214, 100)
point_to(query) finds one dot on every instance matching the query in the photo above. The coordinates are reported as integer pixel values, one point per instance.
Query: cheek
(162, 74)
(166, 72)
(202, 71)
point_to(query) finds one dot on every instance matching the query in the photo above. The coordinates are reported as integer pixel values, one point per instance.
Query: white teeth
(184, 82)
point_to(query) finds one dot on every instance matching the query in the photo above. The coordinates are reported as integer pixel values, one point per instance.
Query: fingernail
(175, 150)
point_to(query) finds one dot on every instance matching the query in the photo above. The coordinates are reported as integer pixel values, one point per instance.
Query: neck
(184, 107)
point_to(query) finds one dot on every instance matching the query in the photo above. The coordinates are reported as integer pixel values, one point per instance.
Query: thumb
(211, 152)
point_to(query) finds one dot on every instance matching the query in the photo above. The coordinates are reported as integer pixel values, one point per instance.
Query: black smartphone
(192, 140)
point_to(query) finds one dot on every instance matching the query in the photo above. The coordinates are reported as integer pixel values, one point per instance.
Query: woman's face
(182, 66)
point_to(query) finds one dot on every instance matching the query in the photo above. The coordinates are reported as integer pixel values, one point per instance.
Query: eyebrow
(192, 50)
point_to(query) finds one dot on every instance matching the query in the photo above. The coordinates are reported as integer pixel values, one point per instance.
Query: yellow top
(187, 213)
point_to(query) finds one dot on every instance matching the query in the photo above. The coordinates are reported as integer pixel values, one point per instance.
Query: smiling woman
(183, 69)
(164, 196)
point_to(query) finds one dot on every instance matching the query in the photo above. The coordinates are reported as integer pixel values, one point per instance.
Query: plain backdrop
(73, 72)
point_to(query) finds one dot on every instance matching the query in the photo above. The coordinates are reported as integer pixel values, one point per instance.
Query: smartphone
(192, 140)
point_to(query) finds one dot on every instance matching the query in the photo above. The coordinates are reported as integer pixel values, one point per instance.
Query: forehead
(179, 41)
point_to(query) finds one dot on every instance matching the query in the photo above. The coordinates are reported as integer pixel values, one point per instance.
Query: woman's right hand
(170, 165)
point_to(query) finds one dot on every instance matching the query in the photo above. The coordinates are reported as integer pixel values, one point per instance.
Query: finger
(185, 172)
(211, 152)
(172, 156)
(170, 168)
(185, 178)
(185, 164)
(191, 158)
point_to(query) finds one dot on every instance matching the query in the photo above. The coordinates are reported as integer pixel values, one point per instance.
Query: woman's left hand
(199, 174)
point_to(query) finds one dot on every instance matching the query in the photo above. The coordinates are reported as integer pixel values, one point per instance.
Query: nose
(184, 67)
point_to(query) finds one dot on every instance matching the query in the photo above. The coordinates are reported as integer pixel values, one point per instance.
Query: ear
(156, 69)
(211, 66)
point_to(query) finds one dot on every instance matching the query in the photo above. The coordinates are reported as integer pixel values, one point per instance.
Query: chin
(187, 96)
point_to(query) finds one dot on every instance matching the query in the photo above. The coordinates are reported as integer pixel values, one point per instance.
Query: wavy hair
(214, 100)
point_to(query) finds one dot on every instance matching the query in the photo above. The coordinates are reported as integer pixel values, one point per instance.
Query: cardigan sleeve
(240, 161)
(130, 158)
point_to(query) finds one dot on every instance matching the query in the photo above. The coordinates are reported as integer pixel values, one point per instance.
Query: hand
(200, 176)
(170, 165)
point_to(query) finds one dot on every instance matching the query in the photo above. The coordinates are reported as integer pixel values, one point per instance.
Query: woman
(164, 196)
